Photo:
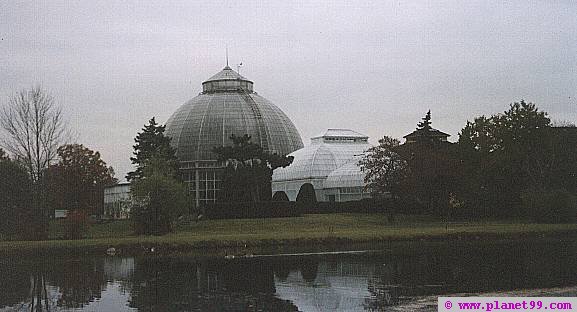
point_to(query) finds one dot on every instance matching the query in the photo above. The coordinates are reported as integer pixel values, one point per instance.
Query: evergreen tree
(248, 171)
(151, 143)
(425, 125)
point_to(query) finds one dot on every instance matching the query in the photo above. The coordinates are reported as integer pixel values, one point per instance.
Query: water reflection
(45, 284)
(371, 282)
(184, 284)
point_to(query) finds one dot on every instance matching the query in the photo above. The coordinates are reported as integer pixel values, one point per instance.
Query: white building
(329, 164)
(117, 201)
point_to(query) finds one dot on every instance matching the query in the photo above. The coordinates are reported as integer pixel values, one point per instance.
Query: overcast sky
(374, 67)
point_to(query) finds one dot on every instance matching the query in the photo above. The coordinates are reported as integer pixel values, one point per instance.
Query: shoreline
(248, 244)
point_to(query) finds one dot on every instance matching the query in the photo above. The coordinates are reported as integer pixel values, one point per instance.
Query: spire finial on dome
(226, 56)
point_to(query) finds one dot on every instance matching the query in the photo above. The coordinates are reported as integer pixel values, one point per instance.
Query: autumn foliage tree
(77, 180)
(420, 172)
(385, 170)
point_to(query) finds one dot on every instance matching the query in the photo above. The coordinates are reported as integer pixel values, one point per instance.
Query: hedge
(242, 210)
(279, 209)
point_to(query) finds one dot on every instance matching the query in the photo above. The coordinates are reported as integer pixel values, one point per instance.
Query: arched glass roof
(227, 108)
(325, 154)
(348, 175)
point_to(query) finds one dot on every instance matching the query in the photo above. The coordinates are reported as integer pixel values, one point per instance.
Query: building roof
(227, 80)
(226, 73)
(322, 157)
(429, 133)
(348, 175)
(340, 133)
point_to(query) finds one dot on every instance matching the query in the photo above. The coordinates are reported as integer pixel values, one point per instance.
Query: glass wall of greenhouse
(329, 164)
(227, 106)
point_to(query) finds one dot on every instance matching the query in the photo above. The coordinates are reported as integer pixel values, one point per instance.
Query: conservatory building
(227, 105)
(329, 165)
(117, 201)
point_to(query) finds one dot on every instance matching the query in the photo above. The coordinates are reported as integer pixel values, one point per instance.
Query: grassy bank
(326, 229)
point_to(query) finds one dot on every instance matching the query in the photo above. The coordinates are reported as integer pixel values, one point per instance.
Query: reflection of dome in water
(329, 164)
(226, 106)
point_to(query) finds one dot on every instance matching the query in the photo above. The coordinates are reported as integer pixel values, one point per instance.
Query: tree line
(41, 171)
(514, 164)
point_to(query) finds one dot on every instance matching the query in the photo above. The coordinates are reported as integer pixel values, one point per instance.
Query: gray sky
(374, 67)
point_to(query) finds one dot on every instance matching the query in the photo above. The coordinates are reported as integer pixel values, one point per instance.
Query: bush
(279, 209)
(552, 206)
(161, 199)
(16, 214)
(360, 206)
(76, 224)
(367, 205)
(242, 210)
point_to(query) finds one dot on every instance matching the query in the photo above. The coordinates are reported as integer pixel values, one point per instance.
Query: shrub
(550, 206)
(161, 198)
(360, 206)
(367, 205)
(241, 210)
(141, 220)
(76, 224)
(280, 196)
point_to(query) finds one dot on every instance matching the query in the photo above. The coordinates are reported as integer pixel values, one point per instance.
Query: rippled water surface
(396, 277)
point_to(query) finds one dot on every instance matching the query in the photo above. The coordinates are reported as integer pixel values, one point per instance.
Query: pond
(402, 276)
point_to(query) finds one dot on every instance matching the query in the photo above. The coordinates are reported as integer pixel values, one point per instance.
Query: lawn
(307, 229)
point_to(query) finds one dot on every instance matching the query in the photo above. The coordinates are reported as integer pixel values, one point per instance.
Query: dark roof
(429, 133)
(564, 129)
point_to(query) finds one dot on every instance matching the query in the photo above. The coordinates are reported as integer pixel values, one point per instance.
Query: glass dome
(229, 106)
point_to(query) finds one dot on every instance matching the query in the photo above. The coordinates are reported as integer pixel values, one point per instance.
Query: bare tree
(35, 128)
